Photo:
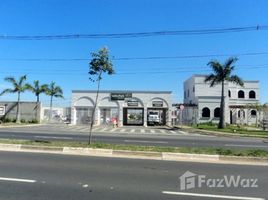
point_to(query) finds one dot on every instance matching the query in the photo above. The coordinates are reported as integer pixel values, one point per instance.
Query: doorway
(133, 116)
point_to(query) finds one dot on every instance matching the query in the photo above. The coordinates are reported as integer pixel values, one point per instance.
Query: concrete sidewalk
(164, 156)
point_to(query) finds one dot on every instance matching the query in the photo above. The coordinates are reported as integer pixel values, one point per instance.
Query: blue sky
(52, 17)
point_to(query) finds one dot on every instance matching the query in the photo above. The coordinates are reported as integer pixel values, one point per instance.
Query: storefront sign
(157, 103)
(120, 96)
(132, 103)
(2, 110)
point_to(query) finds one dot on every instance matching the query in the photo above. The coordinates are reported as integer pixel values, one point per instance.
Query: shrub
(23, 121)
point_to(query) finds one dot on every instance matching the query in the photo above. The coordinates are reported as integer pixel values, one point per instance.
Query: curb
(164, 156)
(20, 126)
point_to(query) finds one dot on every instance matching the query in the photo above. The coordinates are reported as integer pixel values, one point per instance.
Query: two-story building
(203, 101)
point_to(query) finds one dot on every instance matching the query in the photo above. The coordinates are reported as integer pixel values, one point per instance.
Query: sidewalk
(219, 133)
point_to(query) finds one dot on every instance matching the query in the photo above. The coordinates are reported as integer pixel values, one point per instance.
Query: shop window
(253, 113)
(205, 112)
(217, 112)
(241, 94)
(252, 95)
(229, 93)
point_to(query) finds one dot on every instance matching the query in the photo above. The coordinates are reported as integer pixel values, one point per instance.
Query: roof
(122, 91)
(204, 75)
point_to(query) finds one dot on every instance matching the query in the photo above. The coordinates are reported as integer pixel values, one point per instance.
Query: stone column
(145, 116)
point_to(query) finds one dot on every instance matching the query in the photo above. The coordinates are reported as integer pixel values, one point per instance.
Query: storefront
(128, 108)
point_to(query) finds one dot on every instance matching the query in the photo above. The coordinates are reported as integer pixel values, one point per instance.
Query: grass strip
(192, 150)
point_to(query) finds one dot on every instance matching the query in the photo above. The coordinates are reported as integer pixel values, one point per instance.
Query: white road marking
(113, 130)
(172, 131)
(184, 133)
(17, 180)
(142, 131)
(122, 130)
(211, 196)
(162, 131)
(145, 141)
(51, 137)
(132, 131)
(152, 131)
(244, 145)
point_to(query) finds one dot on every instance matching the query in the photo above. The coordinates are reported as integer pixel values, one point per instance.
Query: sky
(62, 17)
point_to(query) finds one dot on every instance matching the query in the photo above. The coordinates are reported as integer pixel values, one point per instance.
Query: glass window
(205, 112)
(252, 95)
(217, 112)
(241, 94)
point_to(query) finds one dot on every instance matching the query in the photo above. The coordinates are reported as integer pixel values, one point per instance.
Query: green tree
(53, 91)
(99, 65)
(221, 74)
(18, 87)
(37, 89)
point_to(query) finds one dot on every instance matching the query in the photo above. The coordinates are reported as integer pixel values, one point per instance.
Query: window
(253, 113)
(252, 95)
(217, 112)
(184, 94)
(188, 93)
(229, 93)
(205, 112)
(241, 94)
(241, 114)
(193, 89)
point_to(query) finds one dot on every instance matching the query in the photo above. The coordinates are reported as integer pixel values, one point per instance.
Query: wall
(27, 109)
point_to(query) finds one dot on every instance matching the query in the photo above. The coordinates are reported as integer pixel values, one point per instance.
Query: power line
(159, 71)
(137, 58)
(136, 34)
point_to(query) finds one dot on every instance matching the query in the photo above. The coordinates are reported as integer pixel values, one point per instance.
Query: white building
(126, 107)
(206, 101)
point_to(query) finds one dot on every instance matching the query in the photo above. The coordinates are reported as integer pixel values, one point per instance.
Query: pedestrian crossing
(108, 129)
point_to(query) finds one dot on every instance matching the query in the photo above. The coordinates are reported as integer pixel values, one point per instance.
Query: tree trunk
(50, 110)
(37, 108)
(18, 109)
(222, 108)
(93, 111)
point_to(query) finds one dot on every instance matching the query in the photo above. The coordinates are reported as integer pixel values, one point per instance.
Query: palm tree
(99, 65)
(37, 89)
(222, 73)
(18, 87)
(53, 91)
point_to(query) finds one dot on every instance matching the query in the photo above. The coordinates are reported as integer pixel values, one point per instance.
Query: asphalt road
(34, 176)
(152, 140)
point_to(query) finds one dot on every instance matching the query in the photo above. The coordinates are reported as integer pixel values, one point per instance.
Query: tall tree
(53, 91)
(223, 73)
(99, 65)
(37, 89)
(18, 87)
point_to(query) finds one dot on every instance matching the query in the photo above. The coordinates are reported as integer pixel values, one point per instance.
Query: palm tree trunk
(37, 108)
(18, 109)
(93, 111)
(222, 107)
(50, 110)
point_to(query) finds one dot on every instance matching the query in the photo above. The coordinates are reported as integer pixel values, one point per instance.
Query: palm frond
(22, 79)
(236, 79)
(6, 91)
(230, 61)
